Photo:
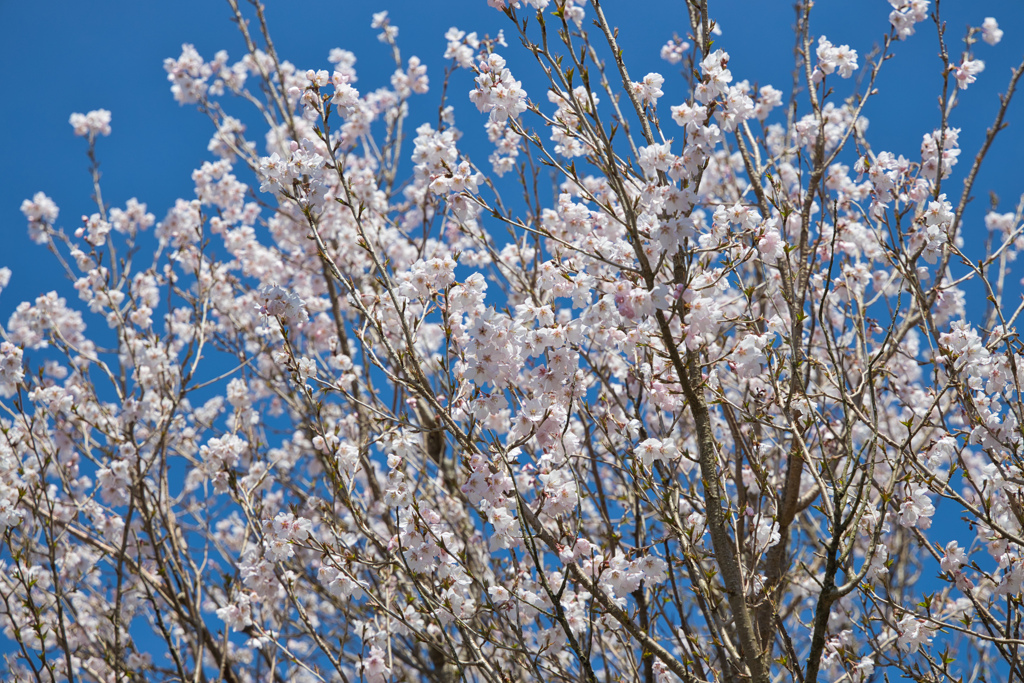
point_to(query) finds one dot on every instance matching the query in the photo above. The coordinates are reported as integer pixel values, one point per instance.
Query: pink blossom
(913, 633)
(967, 71)
(990, 31)
(277, 302)
(90, 125)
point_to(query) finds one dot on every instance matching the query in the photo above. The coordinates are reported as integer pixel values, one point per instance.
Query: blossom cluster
(497, 92)
(92, 124)
(687, 385)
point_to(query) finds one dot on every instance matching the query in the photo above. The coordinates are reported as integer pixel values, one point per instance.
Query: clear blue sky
(60, 57)
(64, 57)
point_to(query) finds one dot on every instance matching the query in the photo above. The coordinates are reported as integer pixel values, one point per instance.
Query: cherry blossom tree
(711, 390)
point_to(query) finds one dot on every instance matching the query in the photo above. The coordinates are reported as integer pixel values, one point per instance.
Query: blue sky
(61, 57)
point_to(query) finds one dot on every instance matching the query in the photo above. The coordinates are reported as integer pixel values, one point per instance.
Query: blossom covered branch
(702, 410)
